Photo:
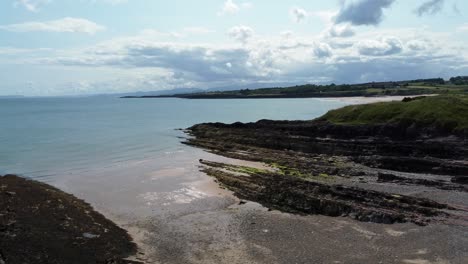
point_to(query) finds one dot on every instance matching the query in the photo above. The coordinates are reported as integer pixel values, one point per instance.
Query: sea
(49, 138)
(125, 156)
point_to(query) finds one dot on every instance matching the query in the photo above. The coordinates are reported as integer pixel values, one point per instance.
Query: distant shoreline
(372, 89)
(348, 99)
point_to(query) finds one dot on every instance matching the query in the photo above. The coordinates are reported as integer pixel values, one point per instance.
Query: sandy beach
(177, 214)
(196, 221)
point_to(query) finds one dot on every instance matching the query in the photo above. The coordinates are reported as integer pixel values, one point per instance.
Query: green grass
(405, 88)
(449, 112)
(285, 170)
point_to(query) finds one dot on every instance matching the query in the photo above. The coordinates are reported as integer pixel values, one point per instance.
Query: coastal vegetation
(456, 85)
(441, 112)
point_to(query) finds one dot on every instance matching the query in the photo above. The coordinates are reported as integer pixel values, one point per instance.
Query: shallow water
(52, 138)
(124, 155)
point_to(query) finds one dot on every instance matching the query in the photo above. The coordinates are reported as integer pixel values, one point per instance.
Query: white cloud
(383, 47)
(298, 14)
(230, 7)
(159, 60)
(463, 28)
(417, 45)
(241, 33)
(363, 12)
(150, 33)
(322, 50)
(341, 31)
(67, 24)
(31, 5)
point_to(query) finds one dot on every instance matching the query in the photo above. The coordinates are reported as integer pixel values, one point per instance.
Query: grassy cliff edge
(448, 113)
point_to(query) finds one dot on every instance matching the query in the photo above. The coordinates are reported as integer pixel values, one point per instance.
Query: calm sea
(50, 138)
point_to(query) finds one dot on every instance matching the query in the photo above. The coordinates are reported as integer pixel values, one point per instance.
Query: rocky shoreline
(41, 224)
(384, 173)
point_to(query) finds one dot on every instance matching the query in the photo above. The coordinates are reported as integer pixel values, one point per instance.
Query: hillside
(455, 85)
(448, 113)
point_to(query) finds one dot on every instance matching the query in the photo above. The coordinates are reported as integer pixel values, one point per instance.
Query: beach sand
(180, 215)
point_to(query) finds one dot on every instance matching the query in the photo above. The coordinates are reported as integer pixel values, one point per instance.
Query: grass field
(444, 111)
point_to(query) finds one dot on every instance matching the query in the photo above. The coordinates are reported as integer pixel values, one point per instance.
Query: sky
(79, 47)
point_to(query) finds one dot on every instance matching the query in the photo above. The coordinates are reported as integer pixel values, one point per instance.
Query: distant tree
(245, 91)
(459, 80)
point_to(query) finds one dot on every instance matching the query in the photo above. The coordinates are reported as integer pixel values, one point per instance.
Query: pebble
(90, 235)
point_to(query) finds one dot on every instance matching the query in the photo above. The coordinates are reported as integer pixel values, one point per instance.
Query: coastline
(325, 169)
(371, 99)
(177, 214)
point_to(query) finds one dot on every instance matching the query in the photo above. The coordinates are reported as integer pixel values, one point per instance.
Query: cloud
(341, 31)
(230, 7)
(417, 45)
(363, 12)
(152, 61)
(322, 50)
(463, 28)
(430, 7)
(298, 14)
(31, 5)
(384, 47)
(67, 24)
(241, 33)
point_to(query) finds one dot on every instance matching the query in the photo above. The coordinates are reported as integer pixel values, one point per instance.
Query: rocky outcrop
(292, 194)
(41, 224)
(318, 164)
(376, 146)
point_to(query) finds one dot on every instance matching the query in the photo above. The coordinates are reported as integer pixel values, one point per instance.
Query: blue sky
(76, 47)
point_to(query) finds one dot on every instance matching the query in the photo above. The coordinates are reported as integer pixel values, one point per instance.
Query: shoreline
(177, 214)
(322, 169)
(374, 98)
(371, 99)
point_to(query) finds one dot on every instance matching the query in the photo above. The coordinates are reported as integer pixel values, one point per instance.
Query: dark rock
(386, 177)
(460, 179)
(42, 224)
(298, 196)
(311, 154)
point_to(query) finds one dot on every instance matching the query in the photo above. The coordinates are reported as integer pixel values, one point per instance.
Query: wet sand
(180, 215)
